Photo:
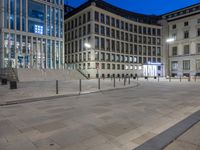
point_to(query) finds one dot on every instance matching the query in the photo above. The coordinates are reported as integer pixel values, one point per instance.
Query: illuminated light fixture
(169, 40)
(153, 63)
(87, 45)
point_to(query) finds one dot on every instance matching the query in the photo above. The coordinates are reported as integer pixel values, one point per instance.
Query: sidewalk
(44, 89)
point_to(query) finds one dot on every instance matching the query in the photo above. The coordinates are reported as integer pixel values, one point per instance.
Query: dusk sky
(145, 6)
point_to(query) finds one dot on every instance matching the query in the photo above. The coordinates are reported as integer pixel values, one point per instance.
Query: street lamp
(168, 41)
(89, 46)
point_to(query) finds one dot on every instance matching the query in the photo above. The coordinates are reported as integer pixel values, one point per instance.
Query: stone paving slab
(27, 91)
(114, 120)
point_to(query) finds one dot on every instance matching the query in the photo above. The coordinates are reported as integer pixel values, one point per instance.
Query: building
(102, 40)
(67, 9)
(182, 33)
(32, 34)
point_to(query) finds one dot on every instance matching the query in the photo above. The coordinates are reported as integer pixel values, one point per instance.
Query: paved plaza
(109, 120)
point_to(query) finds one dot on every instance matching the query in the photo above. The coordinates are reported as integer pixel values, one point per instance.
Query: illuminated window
(38, 29)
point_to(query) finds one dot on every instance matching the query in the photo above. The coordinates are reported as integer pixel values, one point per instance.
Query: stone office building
(32, 34)
(102, 40)
(182, 29)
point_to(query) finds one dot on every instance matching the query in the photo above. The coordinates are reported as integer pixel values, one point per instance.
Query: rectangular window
(186, 50)
(186, 64)
(102, 30)
(186, 34)
(174, 26)
(96, 16)
(96, 29)
(102, 18)
(107, 20)
(198, 32)
(102, 43)
(96, 42)
(174, 65)
(186, 23)
(198, 64)
(198, 48)
(174, 51)
(107, 44)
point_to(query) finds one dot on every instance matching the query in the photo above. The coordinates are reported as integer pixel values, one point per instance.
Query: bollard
(129, 80)
(4, 81)
(119, 78)
(99, 86)
(124, 81)
(180, 78)
(188, 78)
(56, 86)
(13, 85)
(114, 82)
(137, 78)
(80, 86)
(158, 78)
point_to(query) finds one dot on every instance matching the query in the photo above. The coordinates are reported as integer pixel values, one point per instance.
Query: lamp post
(169, 41)
(89, 46)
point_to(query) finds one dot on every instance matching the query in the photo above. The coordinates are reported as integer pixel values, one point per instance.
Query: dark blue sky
(145, 6)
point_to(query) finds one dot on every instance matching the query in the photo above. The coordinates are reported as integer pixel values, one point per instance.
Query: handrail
(83, 72)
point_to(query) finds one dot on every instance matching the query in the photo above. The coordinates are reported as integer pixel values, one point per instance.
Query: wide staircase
(9, 74)
(20, 74)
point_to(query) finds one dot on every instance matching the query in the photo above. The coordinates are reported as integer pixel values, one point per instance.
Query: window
(186, 64)
(117, 23)
(102, 66)
(174, 26)
(107, 20)
(107, 31)
(102, 30)
(198, 32)
(113, 22)
(198, 48)
(102, 56)
(96, 28)
(174, 65)
(186, 34)
(107, 44)
(198, 21)
(174, 51)
(186, 50)
(96, 42)
(198, 64)
(186, 23)
(88, 16)
(113, 45)
(88, 29)
(113, 66)
(108, 66)
(96, 16)
(174, 36)
(102, 18)
(102, 43)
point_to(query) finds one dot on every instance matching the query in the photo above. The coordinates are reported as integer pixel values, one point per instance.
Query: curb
(165, 138)
(30, 100)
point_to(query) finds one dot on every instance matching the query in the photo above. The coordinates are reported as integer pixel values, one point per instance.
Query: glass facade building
(31, 34)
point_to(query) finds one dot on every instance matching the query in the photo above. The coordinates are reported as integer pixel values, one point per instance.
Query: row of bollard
(114, 82)
(13, 84)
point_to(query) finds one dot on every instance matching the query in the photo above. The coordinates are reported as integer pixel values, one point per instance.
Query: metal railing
(83, 72)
